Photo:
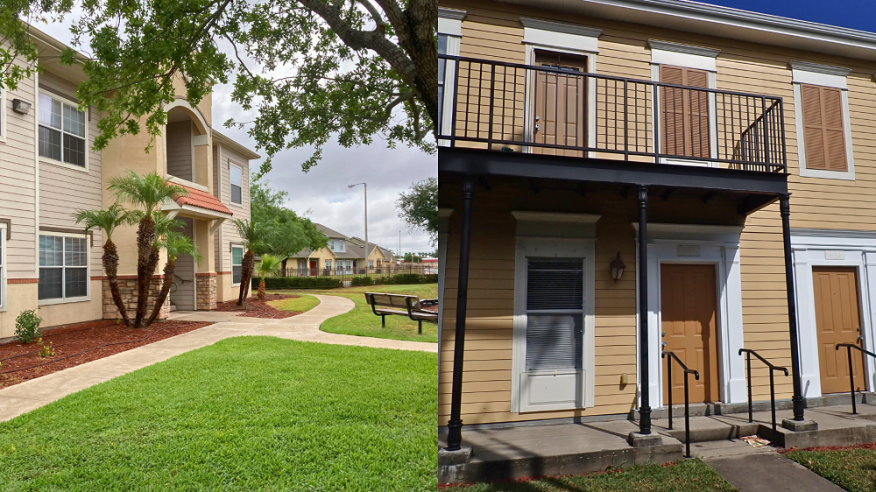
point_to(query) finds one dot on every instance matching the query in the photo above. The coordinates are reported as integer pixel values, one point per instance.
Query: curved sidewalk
(27, 396)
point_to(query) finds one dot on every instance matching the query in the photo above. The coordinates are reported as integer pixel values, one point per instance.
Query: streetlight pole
(366, 220)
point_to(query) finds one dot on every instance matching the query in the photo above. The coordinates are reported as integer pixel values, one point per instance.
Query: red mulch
(259, 309)
(80, 343)
(871, 445)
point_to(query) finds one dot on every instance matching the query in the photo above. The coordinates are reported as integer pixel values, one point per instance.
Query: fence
(349, 273)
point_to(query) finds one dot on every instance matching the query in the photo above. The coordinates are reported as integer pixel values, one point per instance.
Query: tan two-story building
(49, 172)
(621, 178)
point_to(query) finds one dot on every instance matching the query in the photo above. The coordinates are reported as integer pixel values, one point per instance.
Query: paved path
(769, 472)
(24, 397)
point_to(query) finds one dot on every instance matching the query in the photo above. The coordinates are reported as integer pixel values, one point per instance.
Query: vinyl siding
(179, 150)
(18, 182)
(64, 191)
(493, 31)
(240, 211)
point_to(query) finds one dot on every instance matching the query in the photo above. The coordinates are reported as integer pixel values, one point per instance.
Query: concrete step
(708, 409)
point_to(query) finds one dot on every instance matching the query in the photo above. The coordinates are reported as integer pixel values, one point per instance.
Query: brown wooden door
(560, 104)
(837, 320)
(689, 320)
(685, 121)
(314, 266)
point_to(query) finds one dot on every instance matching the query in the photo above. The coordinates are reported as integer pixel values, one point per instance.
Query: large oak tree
(313, 69)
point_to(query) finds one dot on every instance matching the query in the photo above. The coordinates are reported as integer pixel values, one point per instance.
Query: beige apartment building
(49, 172)
(342, 254)
(621, 178)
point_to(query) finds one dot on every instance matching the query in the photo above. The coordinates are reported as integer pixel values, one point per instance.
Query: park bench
(384, 305)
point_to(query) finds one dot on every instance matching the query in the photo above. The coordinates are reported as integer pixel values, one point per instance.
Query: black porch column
(644, 347)
(454, 425)
(785, 208)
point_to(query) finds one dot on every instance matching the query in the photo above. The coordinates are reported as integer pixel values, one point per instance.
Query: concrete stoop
(574, 448)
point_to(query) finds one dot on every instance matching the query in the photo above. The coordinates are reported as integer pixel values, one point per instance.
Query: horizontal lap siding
(18, 182)
(242, 211)
(64, 191)
(493, 31)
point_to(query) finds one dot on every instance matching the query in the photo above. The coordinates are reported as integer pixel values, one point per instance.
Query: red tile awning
(202, 199)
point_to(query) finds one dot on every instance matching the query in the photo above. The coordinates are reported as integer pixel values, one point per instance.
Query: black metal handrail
(772, 368)
(686, 395)
(849, 347)
(491, 105)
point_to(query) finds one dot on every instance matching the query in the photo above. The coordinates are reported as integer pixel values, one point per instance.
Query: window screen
(554, 313)
(236, 265)
(236, 185)
(63, 267)
(61, 131)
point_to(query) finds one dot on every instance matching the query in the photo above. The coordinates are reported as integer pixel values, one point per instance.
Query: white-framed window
(63, 132)
(63, 268)
(824, 136)
(337, 245)
(449, 36)
(236, 264)
(370, 263)
(3, 232)
(236, 184)
(328, 264)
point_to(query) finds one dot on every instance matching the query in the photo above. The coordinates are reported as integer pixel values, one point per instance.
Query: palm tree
(266, 268)
(175, 244)
(147, 192)
(252, 234)
(107, 221)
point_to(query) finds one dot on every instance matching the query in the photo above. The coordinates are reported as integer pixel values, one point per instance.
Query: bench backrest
(390, 300)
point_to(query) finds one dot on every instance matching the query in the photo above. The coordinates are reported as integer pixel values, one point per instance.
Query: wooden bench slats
(382, 304)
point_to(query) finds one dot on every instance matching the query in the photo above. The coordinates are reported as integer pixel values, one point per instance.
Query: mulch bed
(259, 309)
(80, 343)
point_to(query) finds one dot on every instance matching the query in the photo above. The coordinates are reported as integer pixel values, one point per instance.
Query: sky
(854, 14)
(322, 193)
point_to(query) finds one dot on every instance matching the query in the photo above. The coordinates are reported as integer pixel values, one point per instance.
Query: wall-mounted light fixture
(20, 107)
(617, 268)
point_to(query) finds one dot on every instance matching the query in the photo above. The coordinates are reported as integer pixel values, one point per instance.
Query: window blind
(555, 314)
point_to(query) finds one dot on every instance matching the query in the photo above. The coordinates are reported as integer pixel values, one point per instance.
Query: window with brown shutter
(685, 121)
(823, 128)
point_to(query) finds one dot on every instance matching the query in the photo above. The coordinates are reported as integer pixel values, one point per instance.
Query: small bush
(47, 350)
(276, 283)
(27, 326)
(361, 281)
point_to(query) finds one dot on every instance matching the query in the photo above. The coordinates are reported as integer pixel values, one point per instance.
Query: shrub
(47, 350)
(361, 281)
(27, 326)
(409, 278)
(276, 283)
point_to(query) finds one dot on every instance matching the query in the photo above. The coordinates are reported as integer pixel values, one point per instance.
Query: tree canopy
(419, 207)
(313, 69)
(286, 232)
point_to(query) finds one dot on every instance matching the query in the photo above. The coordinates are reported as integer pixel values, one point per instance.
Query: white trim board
(714, 245)
(818, 248)
(560, 35)
(682, 55)
(450, 21)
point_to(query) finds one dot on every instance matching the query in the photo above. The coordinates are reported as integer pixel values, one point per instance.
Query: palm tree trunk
(284, 266)
(262, 288)
(246, 276)
(111, 267)
(145, 239)
(165, 290)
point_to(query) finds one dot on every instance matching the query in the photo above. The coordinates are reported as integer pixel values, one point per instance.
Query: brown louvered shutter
(685, 124)
(823, 129)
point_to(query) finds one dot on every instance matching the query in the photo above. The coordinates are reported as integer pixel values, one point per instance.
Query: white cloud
(323, 192)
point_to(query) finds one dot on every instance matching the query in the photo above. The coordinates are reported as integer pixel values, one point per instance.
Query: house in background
(342, 254)
(50, 172)
(624, 177)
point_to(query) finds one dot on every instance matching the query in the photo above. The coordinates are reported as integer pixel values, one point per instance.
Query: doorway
(837, 320)
(560, 104)
(689, 327)
(314, 267)
(183, 297)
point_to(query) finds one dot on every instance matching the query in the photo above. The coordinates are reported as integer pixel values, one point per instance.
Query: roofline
(233, 145)
(830, 39)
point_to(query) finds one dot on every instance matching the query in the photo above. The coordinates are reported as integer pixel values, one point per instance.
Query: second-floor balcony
(557, 108)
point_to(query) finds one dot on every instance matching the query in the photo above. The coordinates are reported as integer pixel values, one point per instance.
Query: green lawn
(249, 413)
(685, 476)
(296, 305)
(362, 322)
(851, 469)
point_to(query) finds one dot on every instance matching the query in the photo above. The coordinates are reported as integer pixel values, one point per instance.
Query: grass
(362, 322)
(296, 305)
(851, 469)
(685, 476)
(248, 413)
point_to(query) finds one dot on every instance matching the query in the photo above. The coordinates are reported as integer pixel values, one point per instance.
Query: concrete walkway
(24, 397)
(769, 472)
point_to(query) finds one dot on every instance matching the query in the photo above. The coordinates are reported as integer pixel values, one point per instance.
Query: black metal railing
(849, 347)
(748, 353)
(563, 111)
(686, 395)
